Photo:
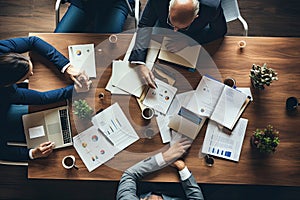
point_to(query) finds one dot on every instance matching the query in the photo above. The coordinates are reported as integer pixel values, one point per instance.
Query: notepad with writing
(219, 102)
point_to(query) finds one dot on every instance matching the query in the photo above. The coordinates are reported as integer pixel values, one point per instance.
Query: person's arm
(33, 97)
(33, 43)
(127, 186)
(143, 35)
(188, 182)
(13, 153)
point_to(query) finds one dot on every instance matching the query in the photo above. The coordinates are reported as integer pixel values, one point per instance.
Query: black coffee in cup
(209, 160)
(291, 103)
(68, 161)
(147, 113)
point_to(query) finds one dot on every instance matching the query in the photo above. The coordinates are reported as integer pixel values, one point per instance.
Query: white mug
(113, 39)
(147, 113)
(68, 162)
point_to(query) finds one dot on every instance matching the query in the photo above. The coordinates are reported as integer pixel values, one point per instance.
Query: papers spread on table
(111, 133)
(82, 57)
(228, 146)
(160, 98)
(93, 148)
(186, 57)
(219, 102)
(130, 71)
(114, 125)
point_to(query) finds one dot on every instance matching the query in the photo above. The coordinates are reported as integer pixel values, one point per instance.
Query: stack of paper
(122, 71)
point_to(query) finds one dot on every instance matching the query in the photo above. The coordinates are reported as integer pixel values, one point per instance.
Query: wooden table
(268, 107)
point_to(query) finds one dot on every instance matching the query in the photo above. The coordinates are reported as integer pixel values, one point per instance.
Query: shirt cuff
(30, 154)
(65, 67)
(184, 173)
(160, 159)
(138, 62)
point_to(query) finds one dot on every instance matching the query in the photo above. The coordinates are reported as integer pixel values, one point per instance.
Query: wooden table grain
(268, 107)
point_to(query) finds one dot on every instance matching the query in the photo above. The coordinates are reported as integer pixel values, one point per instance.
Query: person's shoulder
(210, 3)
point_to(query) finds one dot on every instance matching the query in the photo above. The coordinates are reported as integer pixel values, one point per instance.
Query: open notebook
(186, 57)
(219, 102)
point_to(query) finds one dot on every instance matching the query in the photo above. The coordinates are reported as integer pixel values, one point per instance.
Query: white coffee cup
(242, 44)
(68, 162)
(147, 113)
(113, 39)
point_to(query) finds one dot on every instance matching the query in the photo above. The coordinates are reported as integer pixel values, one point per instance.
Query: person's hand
(176, 44)
(146, 75)
(177, 150)
(73, 73)
(43, 150)
(179, 165)
(85, 87)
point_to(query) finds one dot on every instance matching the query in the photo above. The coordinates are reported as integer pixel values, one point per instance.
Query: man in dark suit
(128, 185)
(201, 20)
(14, 101)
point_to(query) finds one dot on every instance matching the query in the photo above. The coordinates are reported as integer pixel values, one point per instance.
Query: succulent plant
(82, 109)
(261, 76)
(266, 140)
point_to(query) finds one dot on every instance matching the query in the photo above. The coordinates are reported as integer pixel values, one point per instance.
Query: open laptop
(48, 125)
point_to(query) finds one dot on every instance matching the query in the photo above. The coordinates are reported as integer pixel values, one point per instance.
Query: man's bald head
(183, 11)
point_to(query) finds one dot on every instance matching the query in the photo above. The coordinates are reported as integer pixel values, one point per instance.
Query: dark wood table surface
(268, 107)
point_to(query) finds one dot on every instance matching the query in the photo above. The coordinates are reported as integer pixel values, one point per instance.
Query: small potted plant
(261, 76)
(265, 140)
(82, 109)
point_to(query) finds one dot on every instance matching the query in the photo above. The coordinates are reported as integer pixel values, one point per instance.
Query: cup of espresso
(242, 44)
(68, 162)
(291, 103)
(229, 81)
(209, 160)
(147, 113)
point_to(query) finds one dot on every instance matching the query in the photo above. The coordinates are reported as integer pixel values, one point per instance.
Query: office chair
(134, 12)
(14, 163)
(232, 12)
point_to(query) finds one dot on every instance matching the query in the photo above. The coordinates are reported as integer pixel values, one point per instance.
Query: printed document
(218, 143)
(114, 125)
(82, 57)
(219, 102)
(93, 148)
(161, 97)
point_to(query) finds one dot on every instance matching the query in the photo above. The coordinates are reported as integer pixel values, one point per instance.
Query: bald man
(201, 20)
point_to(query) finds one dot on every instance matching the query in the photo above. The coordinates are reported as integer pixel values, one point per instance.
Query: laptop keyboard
(64, 121)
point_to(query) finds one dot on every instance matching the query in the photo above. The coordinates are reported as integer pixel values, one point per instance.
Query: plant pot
(260, 87)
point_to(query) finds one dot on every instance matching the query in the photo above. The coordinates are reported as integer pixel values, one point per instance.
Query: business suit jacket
(128, 184)
(210, 24)
(16, 95)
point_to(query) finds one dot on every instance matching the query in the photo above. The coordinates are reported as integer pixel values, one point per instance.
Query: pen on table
(106, 137)
(155, 84)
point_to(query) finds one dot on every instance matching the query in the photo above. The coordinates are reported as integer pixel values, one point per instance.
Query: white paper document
(93, 148)
(114, 125)
(219, 102)
(36, 132)
(161, 97)
(82, 57)
(117, 75)
(218, 143)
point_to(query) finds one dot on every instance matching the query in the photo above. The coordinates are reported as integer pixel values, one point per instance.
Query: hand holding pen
(147, 76)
